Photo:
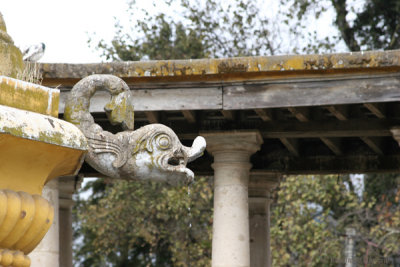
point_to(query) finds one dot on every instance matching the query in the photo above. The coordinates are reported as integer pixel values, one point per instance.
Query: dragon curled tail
(152, 152)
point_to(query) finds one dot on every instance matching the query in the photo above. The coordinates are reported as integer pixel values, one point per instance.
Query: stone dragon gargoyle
(152, 152)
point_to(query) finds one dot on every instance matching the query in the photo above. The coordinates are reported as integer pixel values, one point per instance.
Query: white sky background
(65, 25)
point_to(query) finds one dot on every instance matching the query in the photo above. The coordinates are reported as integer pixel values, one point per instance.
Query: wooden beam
(152, 116)
(332, 164)
(292, 145)
(374, 143)
(340, 112)
(189, 115)
(264, 114)
(376, 109)
(228, 114)
(292, 93)
(313, 92)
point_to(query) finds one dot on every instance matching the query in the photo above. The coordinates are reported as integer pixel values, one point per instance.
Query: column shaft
(65, 233)
(260, 252)
(230, 246)
(260, 186)
(67, 187)
(231, 237)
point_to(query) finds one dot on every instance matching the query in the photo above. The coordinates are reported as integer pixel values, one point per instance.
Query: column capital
(261, 182)
(227, 141)
(67, 185)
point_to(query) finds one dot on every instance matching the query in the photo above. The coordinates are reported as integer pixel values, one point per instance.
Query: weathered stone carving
(152, 152)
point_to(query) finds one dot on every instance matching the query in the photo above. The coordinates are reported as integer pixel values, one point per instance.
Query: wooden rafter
(292, 145)
(264, 114)
(376, 109)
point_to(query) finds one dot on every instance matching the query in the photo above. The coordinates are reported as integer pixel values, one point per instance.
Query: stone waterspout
(152, 152)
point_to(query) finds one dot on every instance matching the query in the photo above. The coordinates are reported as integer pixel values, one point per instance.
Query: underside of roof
(317, 113)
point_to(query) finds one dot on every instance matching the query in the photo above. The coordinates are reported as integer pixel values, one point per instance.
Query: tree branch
(346, 31)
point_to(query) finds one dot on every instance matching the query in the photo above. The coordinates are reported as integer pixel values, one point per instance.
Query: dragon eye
(164, 142)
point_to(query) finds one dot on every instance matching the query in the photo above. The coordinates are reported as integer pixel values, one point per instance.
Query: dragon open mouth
(174, 161)
(178, 164)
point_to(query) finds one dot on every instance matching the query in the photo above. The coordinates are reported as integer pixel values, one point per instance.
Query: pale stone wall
(46, 254)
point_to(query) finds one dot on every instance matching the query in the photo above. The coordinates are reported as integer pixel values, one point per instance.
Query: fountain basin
(35, 147)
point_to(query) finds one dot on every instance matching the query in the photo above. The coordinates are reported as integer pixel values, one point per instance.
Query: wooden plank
(334, 164)
(228, 114)
(153, 116)
(264, 114)
(340, 112)
(160, 99)
(376, 109)
(292, 145)
(312, 92)
(189, 115)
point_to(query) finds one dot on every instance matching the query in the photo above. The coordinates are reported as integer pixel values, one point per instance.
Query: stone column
(46, 253)
(67, 186)
(260, 186)
(231, 151)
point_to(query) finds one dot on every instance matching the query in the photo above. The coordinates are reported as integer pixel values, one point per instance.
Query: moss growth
(10, 60)
(16, 131)
(29, 97)
(54, 138)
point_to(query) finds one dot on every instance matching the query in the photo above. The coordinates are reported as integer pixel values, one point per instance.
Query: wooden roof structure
(317, 113)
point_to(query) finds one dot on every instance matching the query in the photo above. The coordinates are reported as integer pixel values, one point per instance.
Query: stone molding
(243, 142)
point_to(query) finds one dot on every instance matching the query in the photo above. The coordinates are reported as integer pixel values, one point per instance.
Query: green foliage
(216, 28)
(201, 29)
(163, 39)
(145, 224)
(312, 213)
(374, 25)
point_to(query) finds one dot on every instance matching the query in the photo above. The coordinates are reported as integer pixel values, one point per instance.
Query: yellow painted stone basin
(34, 148)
